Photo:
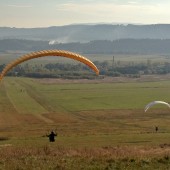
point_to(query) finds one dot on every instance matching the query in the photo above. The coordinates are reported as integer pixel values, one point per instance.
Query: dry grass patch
(50, 157)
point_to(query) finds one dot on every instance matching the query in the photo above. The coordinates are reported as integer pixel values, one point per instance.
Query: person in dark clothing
(156, 128)
(52, 136)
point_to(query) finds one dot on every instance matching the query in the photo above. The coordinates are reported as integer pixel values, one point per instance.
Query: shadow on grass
(3, 138)
(143, 141)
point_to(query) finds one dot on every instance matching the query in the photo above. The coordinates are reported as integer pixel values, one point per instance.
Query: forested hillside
(86, 33)
(123, 46)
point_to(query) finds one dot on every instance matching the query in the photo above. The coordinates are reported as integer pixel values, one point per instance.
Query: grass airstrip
(100, 125)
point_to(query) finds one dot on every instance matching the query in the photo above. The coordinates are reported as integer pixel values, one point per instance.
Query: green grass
(21, 100)
(10, 56)
(128, 58)
(99, 125)
(78, 97)
(88, 108)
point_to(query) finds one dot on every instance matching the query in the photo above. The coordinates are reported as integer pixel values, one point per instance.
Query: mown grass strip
(21, 100)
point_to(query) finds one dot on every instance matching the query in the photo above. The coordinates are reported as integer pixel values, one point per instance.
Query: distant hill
(122, 46)
(85, 33)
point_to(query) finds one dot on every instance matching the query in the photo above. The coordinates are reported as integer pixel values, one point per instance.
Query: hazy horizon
(32, 14)
(99, 23)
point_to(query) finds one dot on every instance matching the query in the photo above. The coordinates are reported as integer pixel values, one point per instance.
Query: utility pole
(113, 62)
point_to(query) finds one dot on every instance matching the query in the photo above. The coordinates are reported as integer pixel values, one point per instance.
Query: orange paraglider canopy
(44, 53)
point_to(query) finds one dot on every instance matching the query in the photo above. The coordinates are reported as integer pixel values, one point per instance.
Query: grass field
(135, 58)
(99, 125)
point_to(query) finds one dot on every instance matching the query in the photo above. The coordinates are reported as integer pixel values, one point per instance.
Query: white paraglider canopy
(154, 103)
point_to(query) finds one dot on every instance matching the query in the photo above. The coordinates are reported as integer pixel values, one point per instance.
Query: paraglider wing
(154, 103)
(44, 53)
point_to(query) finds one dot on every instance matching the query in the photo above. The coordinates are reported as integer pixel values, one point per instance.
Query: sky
(46, 13)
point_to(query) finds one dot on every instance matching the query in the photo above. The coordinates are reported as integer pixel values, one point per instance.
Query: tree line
(79, 71)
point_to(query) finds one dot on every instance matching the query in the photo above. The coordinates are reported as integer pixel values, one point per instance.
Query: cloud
(129, 11)
(132, 2)
(20, 6)
(98, 8)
